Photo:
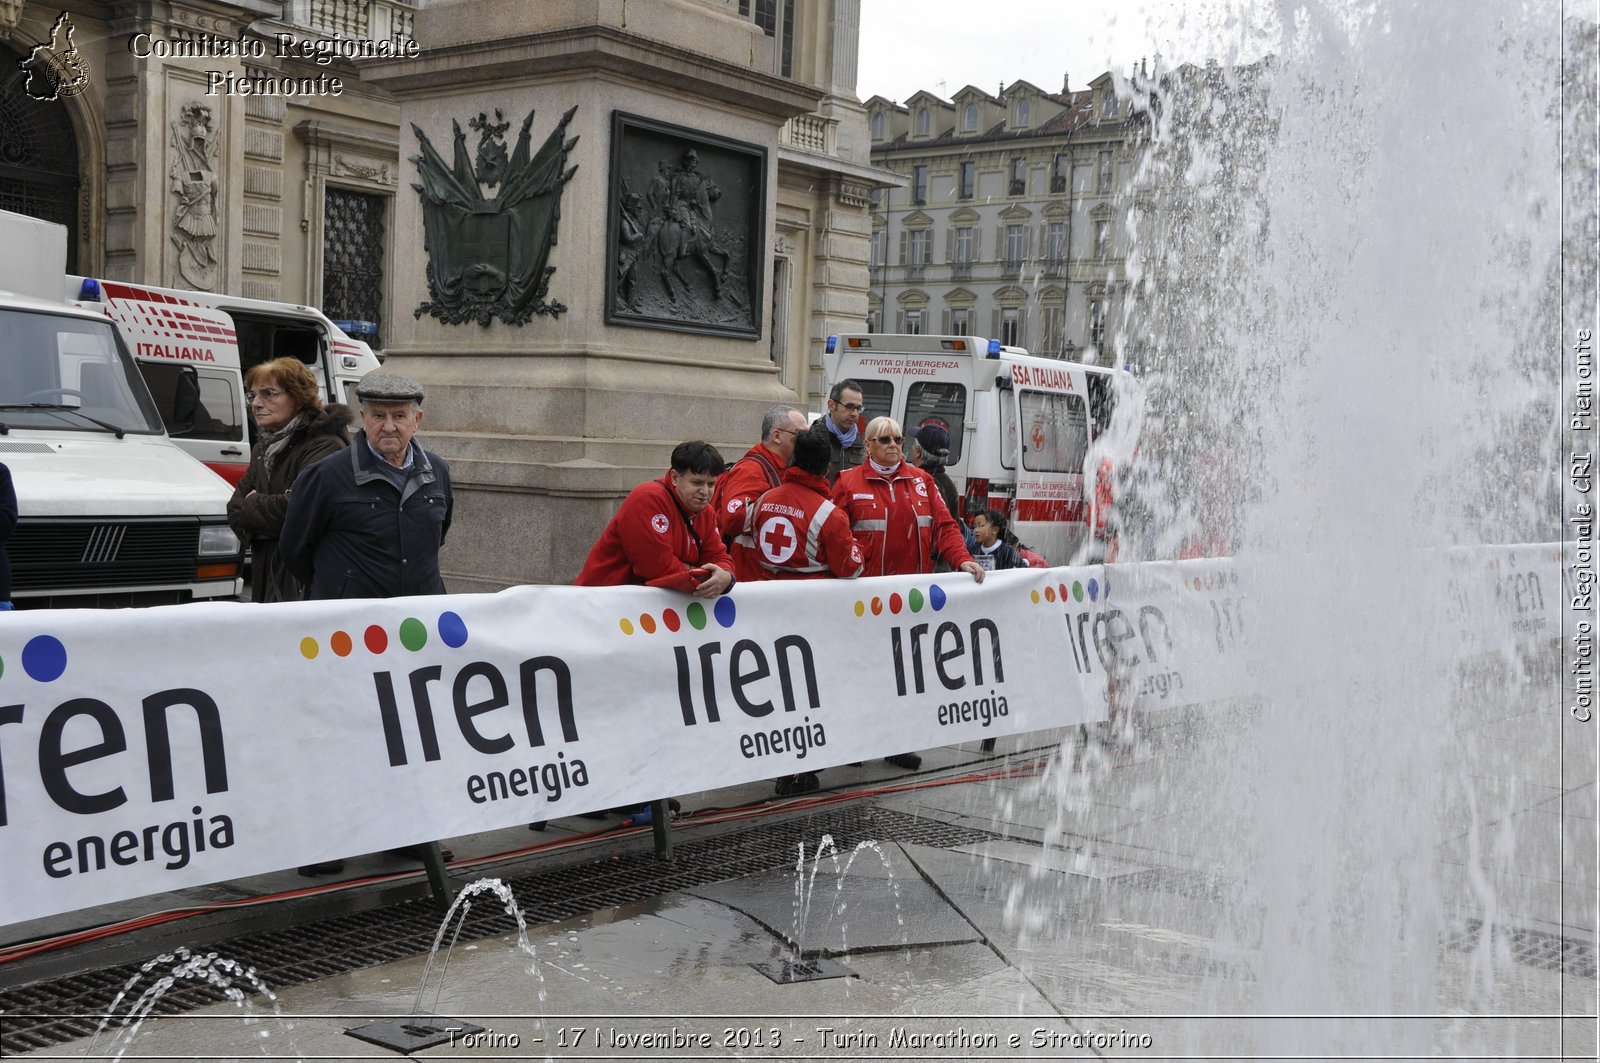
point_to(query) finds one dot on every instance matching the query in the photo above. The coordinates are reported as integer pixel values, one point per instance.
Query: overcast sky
(942, 45)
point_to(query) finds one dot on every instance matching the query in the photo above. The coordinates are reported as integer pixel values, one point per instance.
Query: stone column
(548, 424)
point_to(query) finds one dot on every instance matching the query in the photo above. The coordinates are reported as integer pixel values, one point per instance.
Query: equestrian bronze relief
(687, 218)
(487, 256)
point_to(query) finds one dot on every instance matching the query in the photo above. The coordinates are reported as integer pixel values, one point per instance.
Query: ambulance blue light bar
(994, 349)
(89, 290)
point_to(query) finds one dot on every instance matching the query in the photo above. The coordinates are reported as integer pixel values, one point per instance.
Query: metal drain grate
(51, 1012)
(1536, 948)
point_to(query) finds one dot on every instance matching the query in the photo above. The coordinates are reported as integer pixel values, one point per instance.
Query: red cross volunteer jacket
(794, 532)
(899, 520)
(651, 541)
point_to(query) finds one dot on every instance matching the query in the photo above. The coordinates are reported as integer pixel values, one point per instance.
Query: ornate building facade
(1013, 218)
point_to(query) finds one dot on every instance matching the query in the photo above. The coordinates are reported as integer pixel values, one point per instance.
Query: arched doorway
(38, 155)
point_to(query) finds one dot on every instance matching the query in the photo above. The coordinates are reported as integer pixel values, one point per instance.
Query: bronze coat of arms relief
(686, 228)
(488, 255)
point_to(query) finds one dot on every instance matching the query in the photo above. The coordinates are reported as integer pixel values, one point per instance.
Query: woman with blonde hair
(294, 431)
(897, 516)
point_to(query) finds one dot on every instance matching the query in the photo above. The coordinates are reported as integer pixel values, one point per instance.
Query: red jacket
(795, 532)
(759, 470)
(898, 520)
(650, 541)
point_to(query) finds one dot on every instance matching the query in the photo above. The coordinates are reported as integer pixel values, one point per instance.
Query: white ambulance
(220, 338)
(110, 511)
(1022, 429)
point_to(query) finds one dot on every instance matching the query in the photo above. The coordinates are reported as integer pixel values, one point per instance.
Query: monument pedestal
(547, 424)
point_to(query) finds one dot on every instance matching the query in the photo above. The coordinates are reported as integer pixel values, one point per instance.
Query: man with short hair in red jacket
(794, 531)
(761, 469)
(664, 534)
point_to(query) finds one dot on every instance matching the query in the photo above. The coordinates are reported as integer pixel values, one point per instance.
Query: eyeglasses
(851, 407)
(791, 431)
(886, 440)
(265, 394)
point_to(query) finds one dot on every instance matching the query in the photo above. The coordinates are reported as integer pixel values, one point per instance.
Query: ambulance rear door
(189, 358)
(1044, 428)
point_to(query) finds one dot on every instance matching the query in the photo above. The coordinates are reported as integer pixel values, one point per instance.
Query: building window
(1019, 177)
(1014, 246)
(1022, 112)
(877, 126)
(875, 198)
(874, 318)
(1102, 239)
(919, 184)
(924, 122)
(352, 258)
(919, 248)
(1097, 322)
(911, 322)
(1056, 243)
(1060, 170)
(1103, 179)
(969, 117)
(1011, 326)
(1108, 105)
(969, 179)
(1052, 331)
(961, 322)
(877, 249)
(964, 246)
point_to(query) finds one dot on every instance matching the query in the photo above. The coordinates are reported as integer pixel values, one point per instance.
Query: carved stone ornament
(379, 173)
(192, 178)
(487, 256)
(10, 15)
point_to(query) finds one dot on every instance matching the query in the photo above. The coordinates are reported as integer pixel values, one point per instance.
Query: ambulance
(1023, 430)
(182, 338)
(110, 511)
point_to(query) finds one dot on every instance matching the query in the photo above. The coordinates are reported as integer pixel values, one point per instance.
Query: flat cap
(381, 385)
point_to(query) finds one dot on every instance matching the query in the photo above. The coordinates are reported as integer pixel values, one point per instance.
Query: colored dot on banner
(44, 658)
(670, 618)
(724, 611)
(1035, 596)
(626, 625)
(452, 630)
(648, 623)
(308, 648)
(413, 634)
(1049, 594)
(1077, 591)
(340, 643)
(915, 598)
(697, 616)
(376, 638)
(936, 597)
(894, 603)
(2, 666)
(861, 608)
(1061, 589)
(1094, 591)
(877, 607)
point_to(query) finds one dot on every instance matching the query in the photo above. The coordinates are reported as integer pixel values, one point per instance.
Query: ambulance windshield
(66, 373)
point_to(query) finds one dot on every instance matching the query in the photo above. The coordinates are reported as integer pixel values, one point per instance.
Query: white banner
(145, 750)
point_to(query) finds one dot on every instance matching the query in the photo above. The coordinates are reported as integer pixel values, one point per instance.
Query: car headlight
(217, 540)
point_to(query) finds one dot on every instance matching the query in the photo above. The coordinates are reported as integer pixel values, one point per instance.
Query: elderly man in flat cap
(368, 521)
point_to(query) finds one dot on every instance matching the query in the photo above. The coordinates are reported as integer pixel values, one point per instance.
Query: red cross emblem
(778, 540)
(1038, 437)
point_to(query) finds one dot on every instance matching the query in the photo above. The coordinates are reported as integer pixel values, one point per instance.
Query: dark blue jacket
(351, 533)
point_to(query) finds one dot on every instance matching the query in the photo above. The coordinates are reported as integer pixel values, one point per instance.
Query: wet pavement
(1100, 913)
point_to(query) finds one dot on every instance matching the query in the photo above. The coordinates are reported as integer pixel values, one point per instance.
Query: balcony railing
(362, 19)
(915, 271)
(810, 132)
(961, 271)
